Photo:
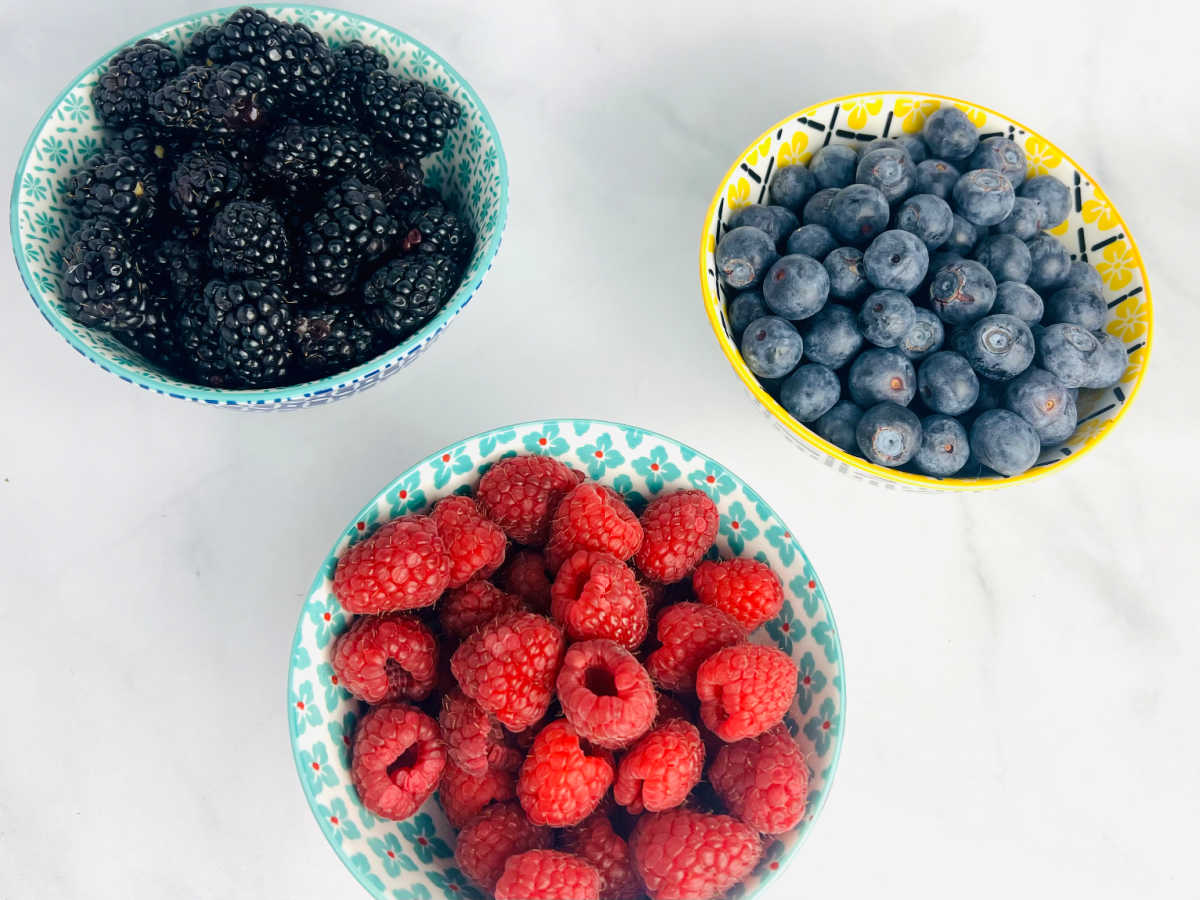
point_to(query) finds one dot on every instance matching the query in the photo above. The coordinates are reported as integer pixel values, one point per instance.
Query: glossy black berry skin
(353, 226)
(329, 339)
(249, 240)
(405, 293)
(413, 116)
(122, 93)
(103, 283)
(202, 183)
(306, 157)
(255, 324)
(117, 187)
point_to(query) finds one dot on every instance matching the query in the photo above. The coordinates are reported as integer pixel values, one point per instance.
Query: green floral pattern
(414, 859)
(471, 169)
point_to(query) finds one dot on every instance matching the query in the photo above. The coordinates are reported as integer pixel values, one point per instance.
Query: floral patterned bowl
(414, 858)
(471, 170)
(1094, 231)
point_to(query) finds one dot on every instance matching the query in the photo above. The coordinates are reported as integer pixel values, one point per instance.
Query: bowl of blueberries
(260, 210)
(925, 293)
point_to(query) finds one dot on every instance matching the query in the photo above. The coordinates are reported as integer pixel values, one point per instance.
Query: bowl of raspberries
(924, 292)
(566, 659)
(260, 210)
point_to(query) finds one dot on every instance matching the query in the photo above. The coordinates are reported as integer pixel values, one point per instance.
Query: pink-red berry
(744, 690)
(595, 595)
(683, 854)
(548, 875)
(605, 693)
(521, 493)
(661, 769)
(487, 841)
(592, 517)
(464, 609)
(403, 565)
(596, 841)
(526, 576)
(397, 760)
(472, 737)
(763, 781)
(677, 531)
(474, 543)
(688, 634)
(745, 588)
(464, 796)
(561, 783)
(381, 658)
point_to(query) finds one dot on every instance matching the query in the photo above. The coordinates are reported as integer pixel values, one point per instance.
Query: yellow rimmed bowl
(1093, 231)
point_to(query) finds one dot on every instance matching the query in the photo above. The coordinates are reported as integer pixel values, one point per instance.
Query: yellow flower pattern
(1129, 320)
(1099, 211)
(1091, 430)
(858, 110)
(1041, 156)
(793, 152)
(762, 151)
(1061, 228)
(738, 194)
(912, 113)
(1136, 360)
(976, 115)
(1118, 264)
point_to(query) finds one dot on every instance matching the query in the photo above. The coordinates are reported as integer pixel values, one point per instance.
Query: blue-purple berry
(877, 375)
(888, 434)
(1052, 194)
(791, 186)
(896, 260)
(950, 135)
(885, 317)
(1026, 219)
(817, 211)
(833, 165)
(962, 292)
(1045, 403)
(1077, 306)
(743, 256)
(776, 221)
(1016, 299)
(999, 347)
(1002, 154)
(744, 309)
(927, 216)
(796, 286)
(847, 277)
(1084, 276)
(1005, 256)
(944, 448)
(810, 392)
(832, 337)
(947, 383)
(937, 177)
(1004, 442)
(859, 213)
(924, 336)
(771, 347)
(890, 169)
(839, 426)
(983, 197)
(1049, 263)
(963, 236)
(1080, 358)
(811, 240)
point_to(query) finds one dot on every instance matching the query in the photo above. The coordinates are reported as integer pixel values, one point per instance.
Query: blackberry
(117, 186)
(400, 180)
(352, 226)
(301, 156)
(329, 339)
(297, 61)
(407, 292)
(196, 52)
(158, 338)
(438, 230)
(180, 103)
(413, 116)
(238, 96)
(255, 324)
(178, 266)
(242, 147)
(103, 283)
(202, 182)
(248, 240)
(341, 102)
(199, 334)
(122, 94)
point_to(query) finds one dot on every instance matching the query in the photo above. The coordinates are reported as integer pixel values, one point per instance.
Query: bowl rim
(781, 416)
(303, 390)
(318, 579)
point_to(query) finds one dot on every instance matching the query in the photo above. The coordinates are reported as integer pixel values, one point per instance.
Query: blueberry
(927, 216)
(1084, 276)
(1005, 256)
(1005, 442)
(776, 221)
(1041, 400)
(1050, 263)
(791, 186)
(832, 337)
(811, 240)
(886, 317)
(924, 337)
(937, 177)
(947, 383)
(963, 236)
(888, 435)
(1052, 194)
(1020, 300)
(796, 287)
(962, 292)
(744, 255)
(810, 392)
(833, 165)
(1080, 358)
(744, 309)
(847, 279)
(949, 134)
(817, 209)
(916, 148)
(1003, 155)
(1110, 361)
(944, 446)
(859, 212)
(879, 375)
(1025, 220)
(1080, 307)
(941, 259)
(771, 347)
(897, 260)
(890, 169)
(983, 197)
(991, 396)
(999, 347)
(838, 426)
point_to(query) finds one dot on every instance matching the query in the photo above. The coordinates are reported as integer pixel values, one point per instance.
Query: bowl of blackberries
(924, 292)
(260, 210)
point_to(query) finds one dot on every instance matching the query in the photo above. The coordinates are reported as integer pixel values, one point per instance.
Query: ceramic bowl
(1094, 231)
(415, 858)
(470, 169)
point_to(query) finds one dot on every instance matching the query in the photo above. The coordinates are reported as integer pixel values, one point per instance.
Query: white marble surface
(1021, 666)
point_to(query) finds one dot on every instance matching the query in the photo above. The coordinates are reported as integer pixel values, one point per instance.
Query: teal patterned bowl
(470, 170)
(415, 858)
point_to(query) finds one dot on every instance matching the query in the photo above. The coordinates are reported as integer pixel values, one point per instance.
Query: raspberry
(475, 544)
(561, 783)
(655, 595)
(763, 781)
(661, 769)
(591, 517)
(509, 665)
(669, 707)
(595, 595)
(464, 795)
(471, 735)
(596, 841)
(398, 758)
(466, 608)
(744, 690)
(605, 694)
(526, 576)
(677, 531)
(487, 841)
(403, 565)
(384, 658)
(548, 875)
(745, 588)
(682, 854)
(521, 493)
(689, 634)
